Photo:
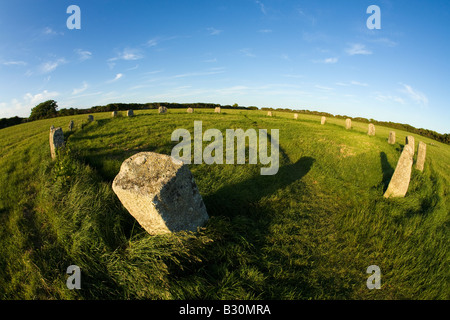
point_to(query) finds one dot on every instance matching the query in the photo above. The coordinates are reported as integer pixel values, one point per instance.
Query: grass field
(308, 232)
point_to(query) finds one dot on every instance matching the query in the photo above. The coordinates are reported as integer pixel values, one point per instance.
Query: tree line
(49, 109)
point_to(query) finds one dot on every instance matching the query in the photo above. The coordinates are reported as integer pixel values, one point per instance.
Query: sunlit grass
(310, 231)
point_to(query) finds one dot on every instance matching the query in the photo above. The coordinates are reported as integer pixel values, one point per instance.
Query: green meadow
(308, 232)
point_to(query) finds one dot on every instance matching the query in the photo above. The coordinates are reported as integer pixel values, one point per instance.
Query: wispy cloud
(214, 31)
(247, 52)
(117, 77)
(354, 83)
(386, 98)
(265, 30)
(83, 54)
(80, 90)
(262, 7)
(358, 48)
(152, 42)
(50, 32)
(50, 66)
(14, 63)
(327, 61)
(417, 96)
(128, 55)
(323, 88)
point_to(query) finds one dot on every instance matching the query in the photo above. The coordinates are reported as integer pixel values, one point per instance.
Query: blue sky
(316, 55)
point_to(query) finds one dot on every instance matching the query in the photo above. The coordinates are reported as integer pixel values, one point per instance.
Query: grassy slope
(308, 232)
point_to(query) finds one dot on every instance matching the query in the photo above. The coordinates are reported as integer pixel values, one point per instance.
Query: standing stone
(217, 109)
(398, 186)
(391, 139)
(160, 193)
(348, 123)
(371, 131)
(323, 120)
(421, 155)
(269, 113)
(130, 113)
(190, 110)
(295, 116)
(56, 140)
(90, 118)
(114, 114)
(410, 140)
(71, 124)
(162, 110)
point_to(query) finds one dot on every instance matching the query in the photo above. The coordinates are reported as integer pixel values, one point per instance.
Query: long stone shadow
(237, 198)
(387, 171)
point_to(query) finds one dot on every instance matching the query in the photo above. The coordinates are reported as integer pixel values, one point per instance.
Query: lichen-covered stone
(56, 140)
(398, 186)
(160, 193)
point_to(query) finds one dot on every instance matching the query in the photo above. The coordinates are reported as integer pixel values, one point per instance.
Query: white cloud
(358, 48)
(247, 52)
(51, 65)
(214, 31)
(128, 55)
(324, 88)
(83, 54)
(152, 42)
(14, 63)
(387, 98)
(50, 32)
(80, 90)
(261, 6)
(417, 96)
(327, 61)
(118, 76)
(356, 83)
(45, 95)
(265, 31)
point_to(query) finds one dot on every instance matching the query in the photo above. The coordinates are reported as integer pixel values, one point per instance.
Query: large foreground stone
(398, 186)
(160, 193)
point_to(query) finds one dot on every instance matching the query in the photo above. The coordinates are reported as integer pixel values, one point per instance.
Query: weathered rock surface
(190, 110)
(391, 139)
(410, 140)
(71, 125)
(160, 193)
(398, 186)
(90, 118)
(371, 131)
(130, 113)
(295, 116)
(217, 109)
(162, 110)
(56, 140)
(323, 120)
(348, 123)
(269, 113)
(114, 114)
(421, 155)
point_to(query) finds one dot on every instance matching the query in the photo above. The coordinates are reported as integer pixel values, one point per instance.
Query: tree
(235, 105)
(44, 110)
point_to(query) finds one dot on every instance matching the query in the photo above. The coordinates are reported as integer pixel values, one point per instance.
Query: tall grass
(309, 232)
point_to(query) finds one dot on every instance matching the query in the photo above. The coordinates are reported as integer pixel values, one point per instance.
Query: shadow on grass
(387, 171)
